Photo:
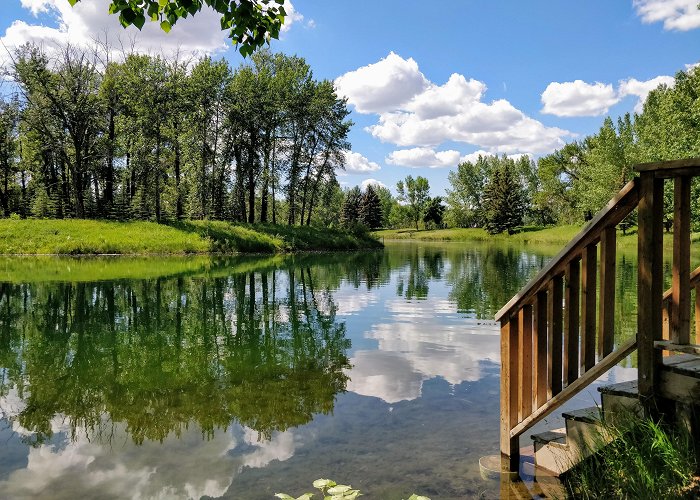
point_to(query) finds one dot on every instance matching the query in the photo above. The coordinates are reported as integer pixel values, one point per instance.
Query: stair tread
(629, 389)
(553, 436)
(590, 415)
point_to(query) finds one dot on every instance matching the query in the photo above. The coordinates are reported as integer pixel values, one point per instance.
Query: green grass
(80, 237)
(550, 235)
(557, 236)
(645, 460)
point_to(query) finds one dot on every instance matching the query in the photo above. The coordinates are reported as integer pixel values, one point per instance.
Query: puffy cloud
(382, 86)
(355, 163)
(89, 21)
(680, 15)
(578, 98)
(416, 112)
(642, 89)
(424, 157)
(363, 186)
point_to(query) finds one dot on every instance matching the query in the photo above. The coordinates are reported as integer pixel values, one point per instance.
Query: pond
(242, 377)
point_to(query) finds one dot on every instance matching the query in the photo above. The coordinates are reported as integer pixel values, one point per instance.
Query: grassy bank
(77, 237)
(558, 236)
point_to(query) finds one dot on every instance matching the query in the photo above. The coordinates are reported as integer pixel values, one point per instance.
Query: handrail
(572, 389)
(617, 209)
(694, 281)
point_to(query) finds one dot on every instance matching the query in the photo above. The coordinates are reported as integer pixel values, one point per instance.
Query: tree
(351, 207)
(414, 193)
(465, 196)
(503, 201)
(434, 212)
(251, 23)
(370, 213)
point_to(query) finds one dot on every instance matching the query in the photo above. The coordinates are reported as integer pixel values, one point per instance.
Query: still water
(242, 377)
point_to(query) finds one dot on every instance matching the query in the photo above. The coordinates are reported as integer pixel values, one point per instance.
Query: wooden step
(561, 449)
(621, 398)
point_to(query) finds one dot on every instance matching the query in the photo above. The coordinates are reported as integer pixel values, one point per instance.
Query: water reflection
(238, 378)
(159, 355)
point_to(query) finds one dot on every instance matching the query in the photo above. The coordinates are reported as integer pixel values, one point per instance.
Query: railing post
(525, 361)
(649, 282)
(540, 348)
(680, 284)
(589, 266)
(555, 338)
(606, 331)
(509, 386)
(571, 321)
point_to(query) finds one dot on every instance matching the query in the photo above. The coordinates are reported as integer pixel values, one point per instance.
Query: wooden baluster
(571, 321)
(525, 361)
(680, 284)
(606, 330)
(555, 337)
(540, 348)
(697, 314)
(509, 390)
(649, 281)
(588, 307)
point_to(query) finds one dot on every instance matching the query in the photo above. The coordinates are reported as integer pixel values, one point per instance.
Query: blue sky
(431, 83)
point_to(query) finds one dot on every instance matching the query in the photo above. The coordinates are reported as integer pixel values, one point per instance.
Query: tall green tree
(504, 205)
(415, 194)
(370, 210)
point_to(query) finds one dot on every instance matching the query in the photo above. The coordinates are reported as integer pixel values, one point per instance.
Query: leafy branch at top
(251, 23)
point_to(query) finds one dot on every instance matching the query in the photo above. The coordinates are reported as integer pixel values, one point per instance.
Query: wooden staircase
(558, 333)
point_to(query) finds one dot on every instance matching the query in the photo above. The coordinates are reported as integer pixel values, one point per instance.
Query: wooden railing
(558, 332)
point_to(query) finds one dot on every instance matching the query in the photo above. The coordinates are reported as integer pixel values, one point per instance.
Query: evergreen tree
(434, 212)
(504, 205)
(351, 207)
(371, 209)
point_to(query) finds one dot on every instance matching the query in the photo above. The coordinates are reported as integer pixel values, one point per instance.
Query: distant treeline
(165, 138)
(573, 183)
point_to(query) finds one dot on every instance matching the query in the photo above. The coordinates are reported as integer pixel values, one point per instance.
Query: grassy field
(549, 236)
(80, 237)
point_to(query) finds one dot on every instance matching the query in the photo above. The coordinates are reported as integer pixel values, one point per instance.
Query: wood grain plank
(540, 349)
(572, 282)
(525, 361)
(680, 281)
(606, 328)
(555, 336)
(589, 271)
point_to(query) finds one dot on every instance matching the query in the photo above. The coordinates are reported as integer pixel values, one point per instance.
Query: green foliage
(251, 23)
(415, 194)
(646, 459)
(330, 490)
(434, 212)
(370, 209)
(350, 214)
(504, 201)
(103, 237)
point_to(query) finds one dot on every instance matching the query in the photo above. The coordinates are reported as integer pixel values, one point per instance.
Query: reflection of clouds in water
(350, 301)
(410, 353)
(185, 466)
(422, 308)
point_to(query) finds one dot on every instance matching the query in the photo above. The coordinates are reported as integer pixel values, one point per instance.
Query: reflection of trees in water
(159, 354)
(484, 278)
(420, 265)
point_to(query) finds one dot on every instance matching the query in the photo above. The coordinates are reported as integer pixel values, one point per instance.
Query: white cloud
(680, 15)
(89, 21)
(633, 86)
(382, 86)
(414, 112)
(363, 186)
(688, 67)
(424, 157)
(355, 163)
(578, 98)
